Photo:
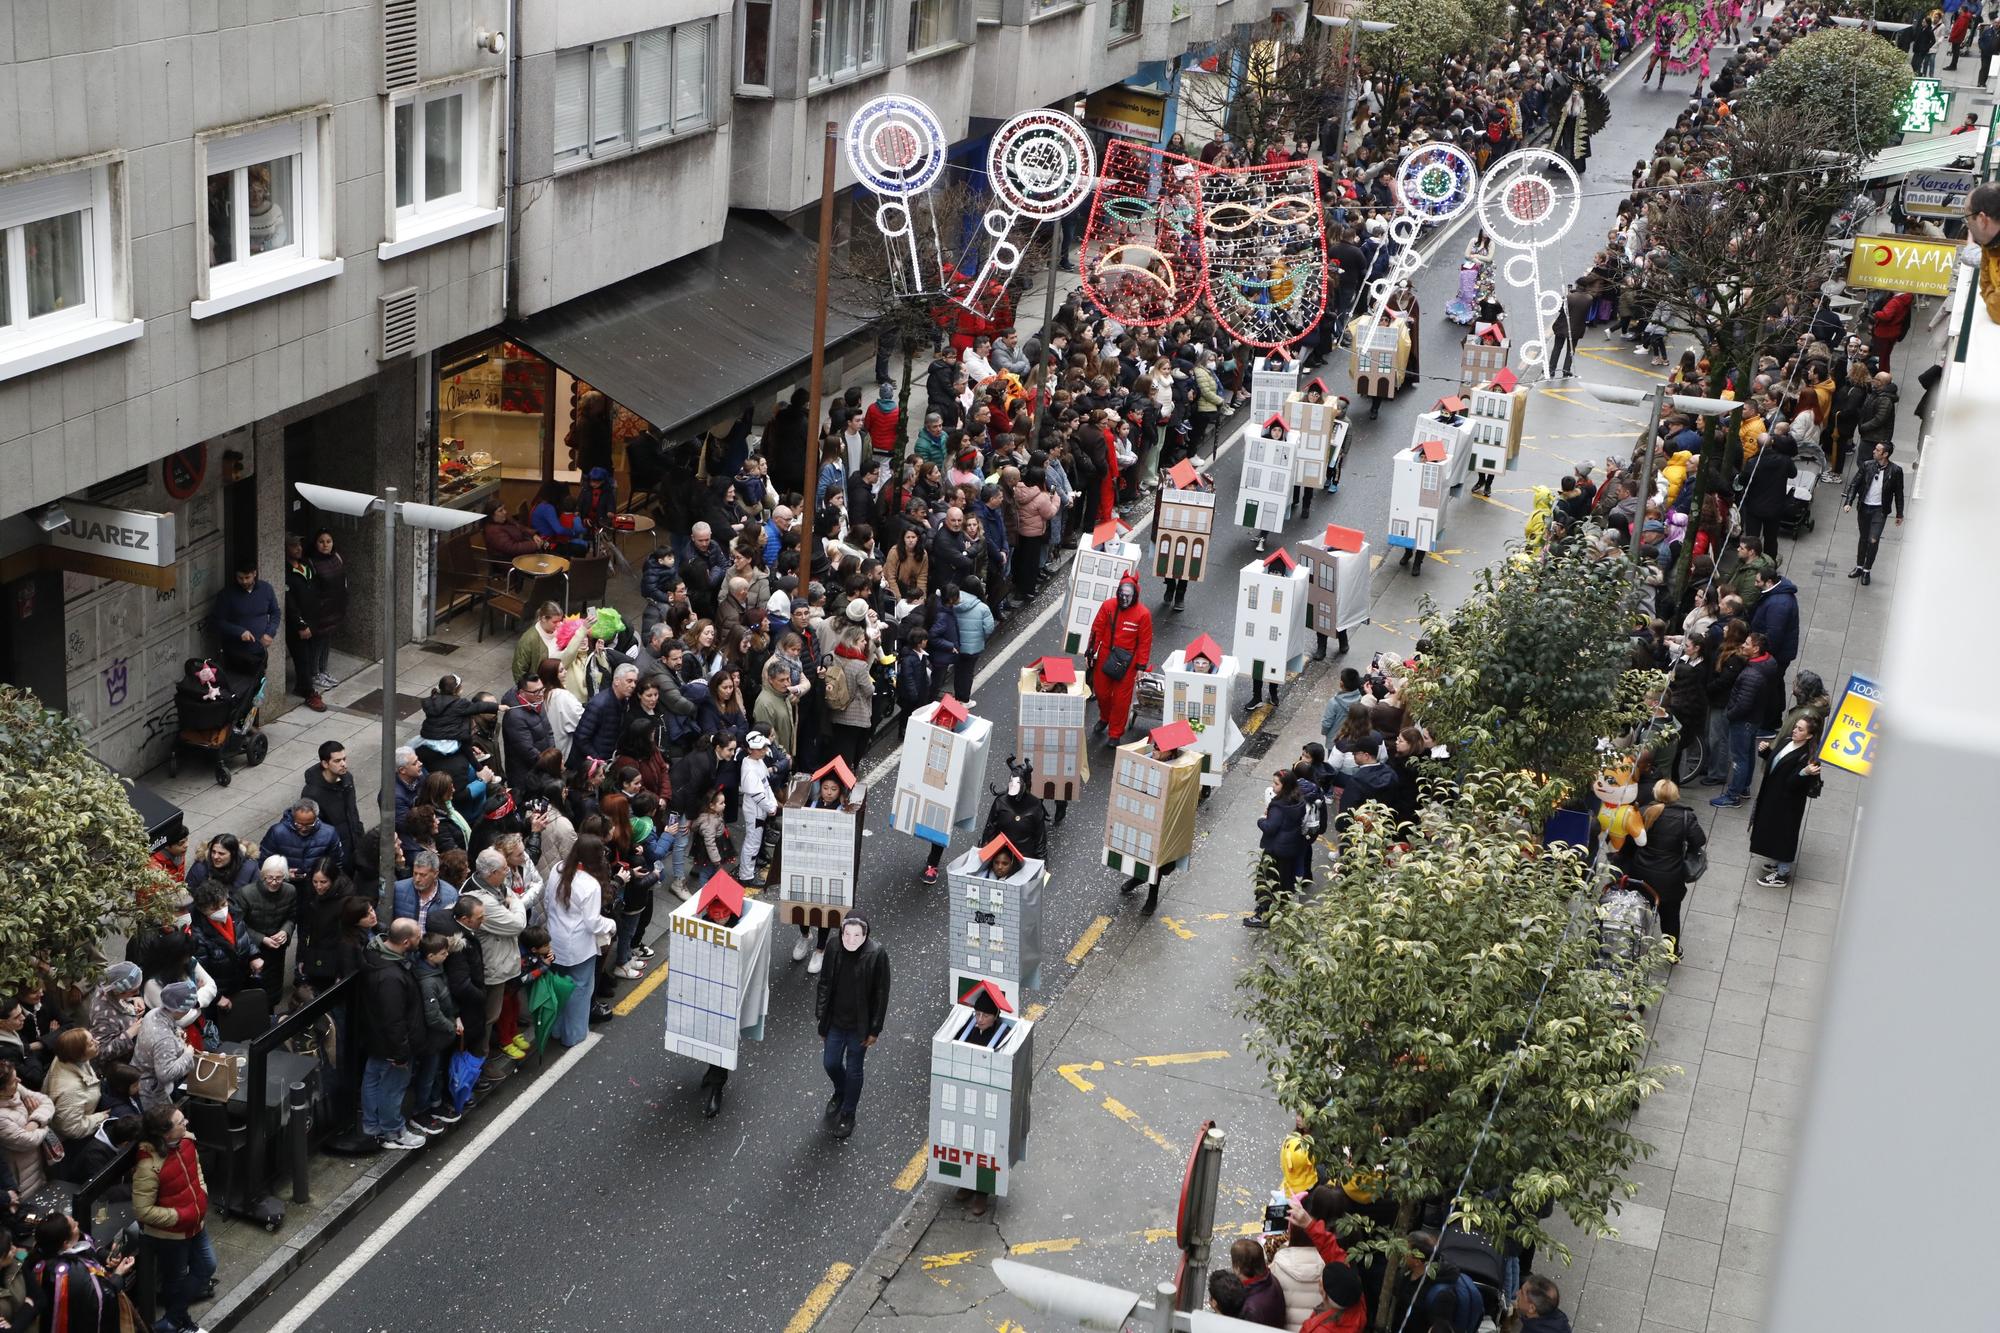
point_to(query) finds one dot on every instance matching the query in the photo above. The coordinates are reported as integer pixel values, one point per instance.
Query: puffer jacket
(1297, 1269)
(75, 1089)
(975, 623)
(860, 710)
(500, 933)
(301, 847)
(169, 1192)
(1033, 508)
(267, 913)
(448, 717)
(440, 1011)
(162, 1056)
(24, 1120)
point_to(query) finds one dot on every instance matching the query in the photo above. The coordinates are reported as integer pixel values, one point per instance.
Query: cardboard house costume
(1378, 354)
(1336, 565)
(819, 857)
(1482, 356)
(1149, 820)
(1493, 425)
(1424, 476)
(1053, 716)
(1274, 378)
(1271, 618)
(1200, 682)
(996, 919)
(980, 1087)
(1319, 434)
(1103, 556)
(718, 977)
(1264, 490)
(943, 764)
(1183, 524)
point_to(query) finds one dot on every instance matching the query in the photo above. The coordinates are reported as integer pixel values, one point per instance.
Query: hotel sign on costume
(1898, 264)
(1850, 730)
(1126, 111)
(139, 536)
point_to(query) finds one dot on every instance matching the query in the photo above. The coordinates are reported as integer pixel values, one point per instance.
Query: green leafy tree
(1280, 91)
(1531, 670)
(1847, 79)
(1421, 990)
(73, 860)
(1427, 33)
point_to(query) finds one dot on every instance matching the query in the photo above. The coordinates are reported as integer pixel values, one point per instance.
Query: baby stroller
(216, 706)
(1797, 515)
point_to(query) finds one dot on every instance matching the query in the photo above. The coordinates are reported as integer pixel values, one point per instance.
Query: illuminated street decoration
(1434, 184)
(896, 148)
(1141, 257)
(1528, 201)
(1040, 164)
(1263, 243)
(1924, 106)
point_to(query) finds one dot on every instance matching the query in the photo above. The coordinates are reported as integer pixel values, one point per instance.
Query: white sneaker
(403, 1141)
(818, 960)
(632, 971)
(799, 950)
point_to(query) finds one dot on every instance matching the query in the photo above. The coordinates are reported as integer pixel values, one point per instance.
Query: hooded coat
(1128, 627)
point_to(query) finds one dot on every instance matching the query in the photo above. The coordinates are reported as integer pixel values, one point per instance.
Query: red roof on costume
(1172, 736)
(1343, 539)
(837, 768)
(1110, 530)
(1280, 556)
(1452, 405)
(721, 888)
(1504, 380)
(992, 993)
(1278, 417)
(1183, 475)
(950, 714)
(1002, 840)
(1432, 451)
(1056, 670)
(1316, 381)
(1205, 648)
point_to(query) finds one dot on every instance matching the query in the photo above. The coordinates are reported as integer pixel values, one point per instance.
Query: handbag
(1694, 860)
(214, 1076)
(465, 1071)
(1116, 663)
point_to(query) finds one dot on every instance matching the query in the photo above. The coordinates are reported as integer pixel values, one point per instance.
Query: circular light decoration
(1436, 182)
(1041, 164)
(896, 145)
(1529, 199)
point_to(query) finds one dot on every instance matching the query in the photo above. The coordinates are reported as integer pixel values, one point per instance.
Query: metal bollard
(298, 1102)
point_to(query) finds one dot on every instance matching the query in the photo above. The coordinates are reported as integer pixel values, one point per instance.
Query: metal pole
(1201, 1228)
(1044, 388)
(385, 806)
(818, 356)
(1652, 444)
(299, 1109)
(1162, 1308)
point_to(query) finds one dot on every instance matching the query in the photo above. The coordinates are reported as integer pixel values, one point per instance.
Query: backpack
(839, 689)
(1313, 821)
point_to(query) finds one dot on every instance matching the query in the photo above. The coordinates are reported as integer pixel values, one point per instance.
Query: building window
(444, 166)
(1277, 601)
(270, 221)
(932, 24)
(1125, 18)
(616, 96)
(846, 38)
(753, 70)
(1250, 601)
(59, 282)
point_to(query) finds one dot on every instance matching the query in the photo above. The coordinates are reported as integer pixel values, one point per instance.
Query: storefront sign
(1899, 264)
(138, 536)
(1923, 107)
(1937, 194)
(1128, 112)
(1850, 731)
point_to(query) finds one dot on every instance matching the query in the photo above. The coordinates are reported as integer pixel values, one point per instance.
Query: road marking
(932, 1262)
(1087, 941)
(1375, 562)
(820, 1297)
(1183, 1058)
(912, 1172)
(1175, 925)
(1063, 1246)
(510, 1115)
(1131, 1117)
(1069, 1244)
(1487, 499)
(1626, 366)
(1226, 916)
(1078, 1081)
(1035, 1011)
(1258, 717)
(637, 995)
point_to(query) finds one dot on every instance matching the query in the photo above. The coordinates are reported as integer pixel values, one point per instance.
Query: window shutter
(572, 108)
(652, 76)
(399, 44)
(691, 42)
(401, 324)
(610, 108)
(989, 11)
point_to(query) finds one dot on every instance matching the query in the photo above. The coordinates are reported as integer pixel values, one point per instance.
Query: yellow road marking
(1225, 916)
(1087, 941)
(1078, 1081)
(1063, 1246)
(1487, 499)
(1255, 722)
(1645, 373)
(913, 1171)
(1183, 1058)
(1174, 924)
(820, 1297)
(637, 995)
(932, 1262)
(1068, 1244)
(1130, 1117)
(1375, 562)
(1035, 1011)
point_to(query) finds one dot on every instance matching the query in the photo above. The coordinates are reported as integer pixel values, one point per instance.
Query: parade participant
(851, 1005)
(1120, 648)
(1018, 815)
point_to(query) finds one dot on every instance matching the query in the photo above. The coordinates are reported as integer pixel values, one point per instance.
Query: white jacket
(500, 934)
(1298, 1268)
(759, 802)
(577, 930)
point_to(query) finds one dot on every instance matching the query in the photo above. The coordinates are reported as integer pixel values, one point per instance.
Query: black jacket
(524, 734)
(1023, 821)
(319, 936)
(1759, 694)
(1281, 829)
(392, 1005)
(1660, 862)
(1763, 481)
(1892, 485)
(448, 717)
(464, 966)
(854, 990)
(1878, 416)
(339, 809)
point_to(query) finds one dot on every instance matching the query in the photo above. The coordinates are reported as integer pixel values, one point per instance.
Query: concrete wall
(141, 78)
(594, 224)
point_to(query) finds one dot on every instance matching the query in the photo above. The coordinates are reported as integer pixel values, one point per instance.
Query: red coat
(1131, 628)
(880, 424)
(1892, 321)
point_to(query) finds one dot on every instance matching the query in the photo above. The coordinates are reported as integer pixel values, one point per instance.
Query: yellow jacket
(1752, 427)
(1675, 473)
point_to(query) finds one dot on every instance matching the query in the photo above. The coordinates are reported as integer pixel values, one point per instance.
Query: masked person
(1120, 648)
(851, 1006)
(1018, 815)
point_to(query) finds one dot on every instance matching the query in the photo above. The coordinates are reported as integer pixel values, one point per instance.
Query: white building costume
(1200, 682)
(819, 857)
(1102, 557)
(979, 1096)
(1272, 381)
(1052, 726)
(1336, 580)
(1264, 490)
(1319, 433)
(719, 977)
(938, 781)
(996, 924)
(1499, 410)
(1425, 475)
(1270, 617)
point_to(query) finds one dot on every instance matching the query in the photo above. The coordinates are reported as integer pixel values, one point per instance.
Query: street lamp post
(1347, 24)
(433, 518)
(1660, 396)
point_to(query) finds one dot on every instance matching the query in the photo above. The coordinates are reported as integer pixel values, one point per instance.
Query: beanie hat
(121, 977)
(1341, 1286)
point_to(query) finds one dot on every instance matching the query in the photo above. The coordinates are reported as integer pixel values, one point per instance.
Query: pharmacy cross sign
(1924, 107)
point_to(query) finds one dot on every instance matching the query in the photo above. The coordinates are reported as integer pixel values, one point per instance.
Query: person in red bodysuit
(1122, 629)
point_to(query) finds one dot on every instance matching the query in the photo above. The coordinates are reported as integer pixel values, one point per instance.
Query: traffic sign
(1850, 730)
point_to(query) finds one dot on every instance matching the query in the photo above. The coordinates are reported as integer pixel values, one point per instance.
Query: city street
(602, 1197)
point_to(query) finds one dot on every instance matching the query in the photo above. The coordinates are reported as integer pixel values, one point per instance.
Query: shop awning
(1926, 154)
(684, 341)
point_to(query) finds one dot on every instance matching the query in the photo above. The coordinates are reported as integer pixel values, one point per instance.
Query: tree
(1421, 990)
(1268, 91)
(1427, 33)
(861, 281)
(75, 863)
(1846, 80)
(1531, 670)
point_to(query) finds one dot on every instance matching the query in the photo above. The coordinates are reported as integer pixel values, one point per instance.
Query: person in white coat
(759, 803)
(578, 929)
